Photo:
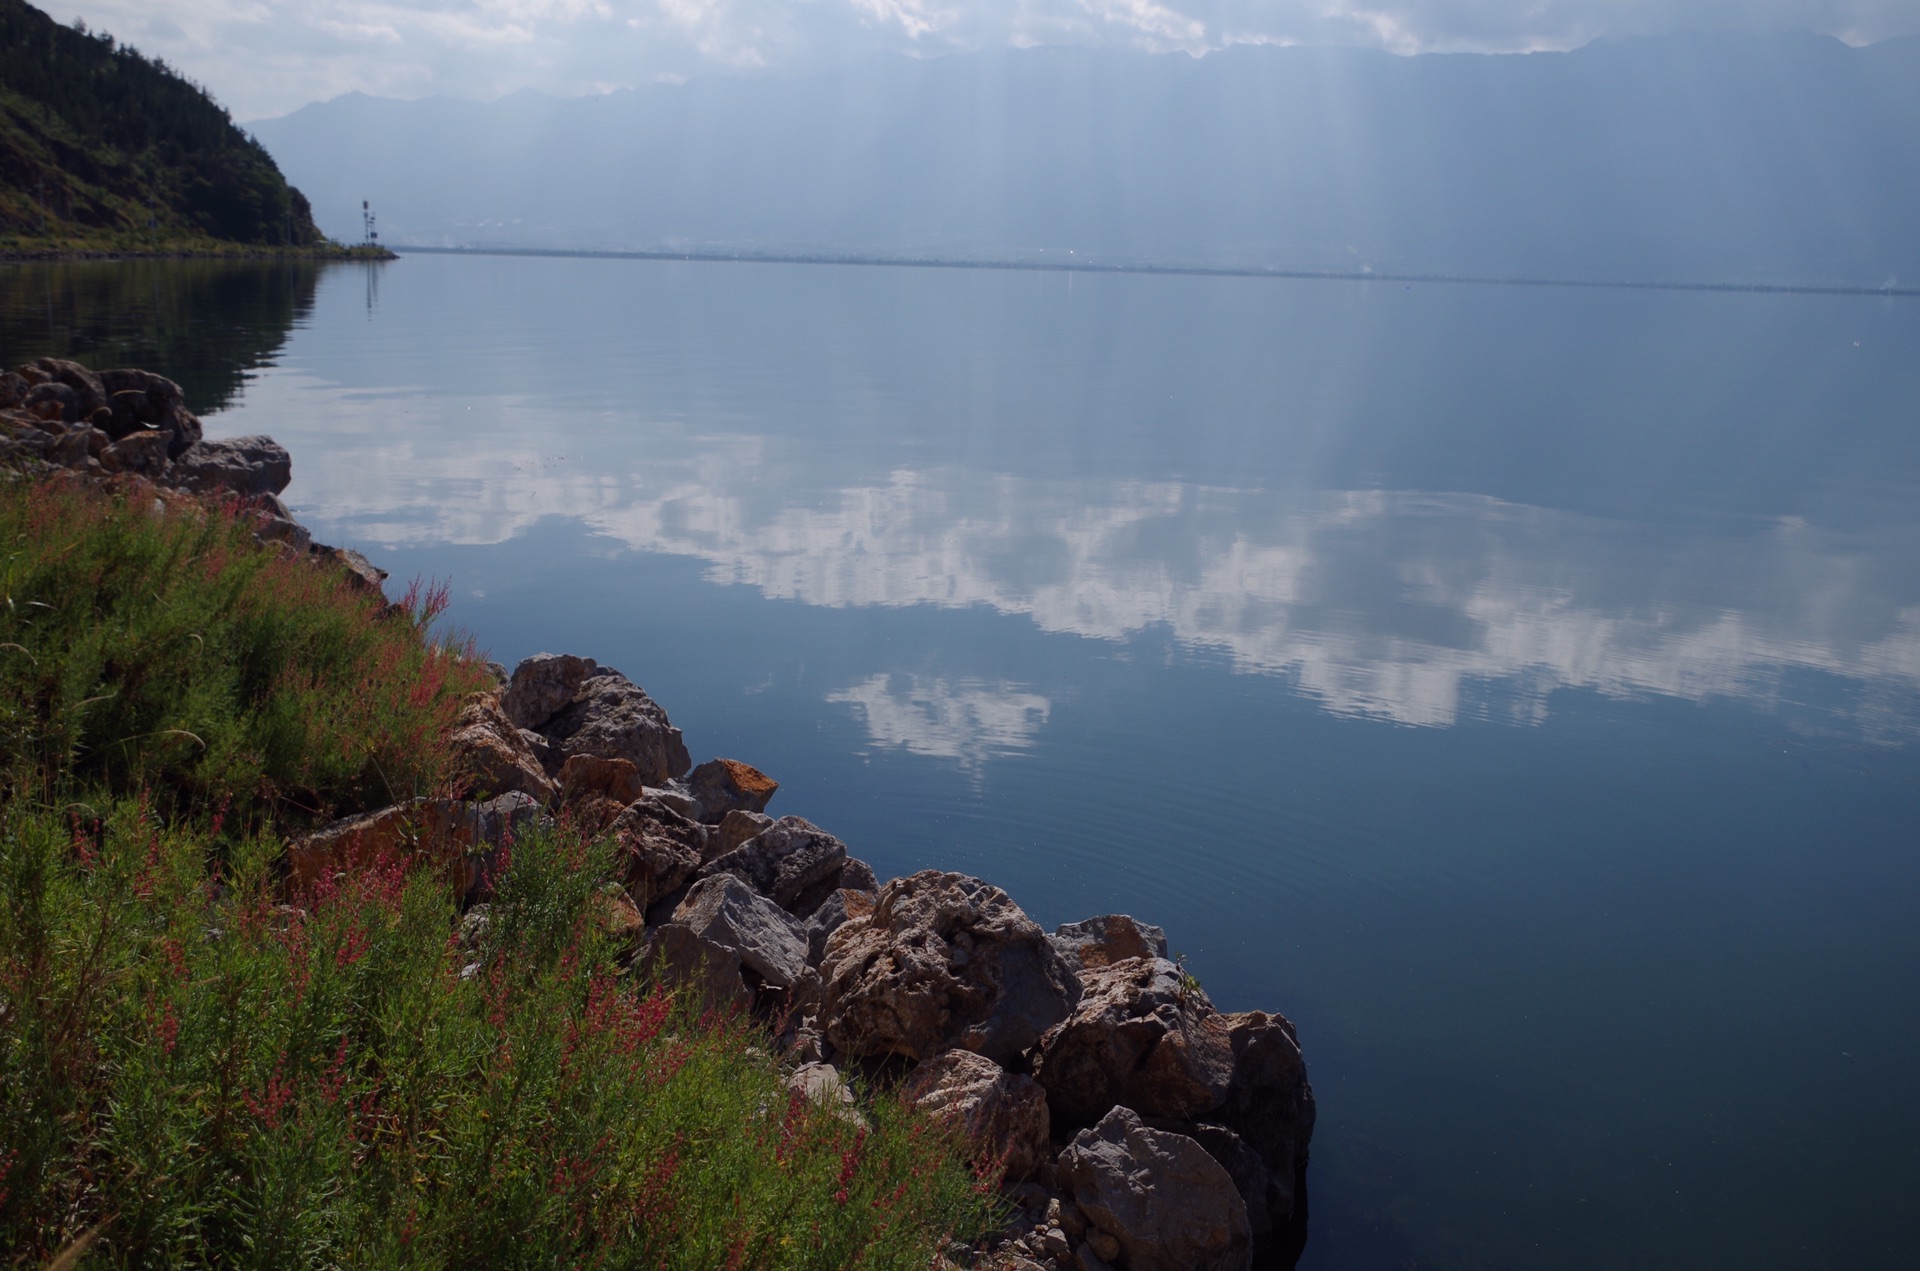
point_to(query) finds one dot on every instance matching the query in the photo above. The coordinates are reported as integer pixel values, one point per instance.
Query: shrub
(219, 1078)
(169, 652)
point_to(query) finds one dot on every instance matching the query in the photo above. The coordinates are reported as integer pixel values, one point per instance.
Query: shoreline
(51, 255)
(1129, 1121)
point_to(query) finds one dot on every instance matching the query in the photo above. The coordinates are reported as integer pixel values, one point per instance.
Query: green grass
(200, 1069)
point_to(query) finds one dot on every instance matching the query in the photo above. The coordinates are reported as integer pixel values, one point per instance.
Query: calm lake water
(1518, 688)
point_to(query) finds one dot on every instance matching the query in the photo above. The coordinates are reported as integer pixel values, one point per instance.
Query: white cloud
(267, 57)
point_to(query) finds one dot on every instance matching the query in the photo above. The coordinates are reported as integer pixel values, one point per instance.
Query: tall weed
(169, 652)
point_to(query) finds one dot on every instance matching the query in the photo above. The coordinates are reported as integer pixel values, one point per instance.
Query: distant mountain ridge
(1776, 159)
(101, 147)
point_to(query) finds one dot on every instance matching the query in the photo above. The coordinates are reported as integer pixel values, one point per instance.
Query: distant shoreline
(239, 252)
(1197, 271)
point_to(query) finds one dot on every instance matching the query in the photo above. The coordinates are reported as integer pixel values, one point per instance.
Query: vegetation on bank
(104, 151)
(198, 1067)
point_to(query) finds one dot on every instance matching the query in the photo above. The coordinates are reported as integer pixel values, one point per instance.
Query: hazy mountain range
(1701, 158)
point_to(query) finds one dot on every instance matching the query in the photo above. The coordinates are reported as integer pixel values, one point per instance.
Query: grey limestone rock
(727, 912)
(613, 718)
(785, 861)
(238, 465)
(681, 958)
(1167, 1203)
(1108, 939)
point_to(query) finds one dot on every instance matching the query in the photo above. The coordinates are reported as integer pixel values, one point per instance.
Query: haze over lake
(1519, 688)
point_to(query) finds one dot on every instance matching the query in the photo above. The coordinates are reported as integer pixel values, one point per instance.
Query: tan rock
(1139, 1038)
(943, 961)
(723, 786)
(490, 753)
(1002, 1114)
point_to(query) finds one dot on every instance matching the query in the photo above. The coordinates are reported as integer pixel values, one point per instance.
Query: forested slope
(102, 147)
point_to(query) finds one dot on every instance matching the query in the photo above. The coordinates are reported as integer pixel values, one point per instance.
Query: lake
(1519, 688)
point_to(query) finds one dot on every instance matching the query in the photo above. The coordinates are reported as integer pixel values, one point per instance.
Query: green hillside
(105, 149)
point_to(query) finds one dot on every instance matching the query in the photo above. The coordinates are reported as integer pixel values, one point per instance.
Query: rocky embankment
(1135, 1126)
(134, 426)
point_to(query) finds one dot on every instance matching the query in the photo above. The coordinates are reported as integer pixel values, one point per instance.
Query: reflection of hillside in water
(203, 323)
(1415, 608)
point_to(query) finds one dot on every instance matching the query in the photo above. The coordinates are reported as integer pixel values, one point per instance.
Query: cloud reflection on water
(1409, 607)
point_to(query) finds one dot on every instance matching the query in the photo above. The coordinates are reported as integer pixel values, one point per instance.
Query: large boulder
(141, 453)
(1269, 1102)
(613, 718)
(662, 849)
(142, 400)
(736, 828)
(1142, 1036)
(238, 465)
(831, 915)
(732, 915)
(942, 961)
(1108, 939)
(1269, 1200)
(1167, 1203)
(491, 756)
(78, 390)
(684, 960)
(582, 776)
(1003, 1114)
(791, 861)
(723, 786)
(542, 685)
(1145, 1037)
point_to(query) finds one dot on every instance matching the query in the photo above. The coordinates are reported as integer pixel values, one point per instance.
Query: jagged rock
(820, 1083)
(543, 750)
(1108, 939)
(727, 912)
(662, 848)
(784, 862)
(1141, 1038)
(498, 823)
(142, 453)
(617, 916)
(943, 960)
(723, 786)
(674, 797)
(614, 779)
(1003, 1114)
(1263, 1195)
(73, 447)
(359, 572)
(141, 399)
(492, 755)
(1269, 1102)
(1169, 1205)
(613, 718)
(681, 958)
(829, 915)
(736, 828)
(239, 465)
(442, 828)
(13, 390)
(542, 685)
(78, 389)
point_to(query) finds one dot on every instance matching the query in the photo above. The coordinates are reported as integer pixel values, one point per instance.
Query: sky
(263, 58)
